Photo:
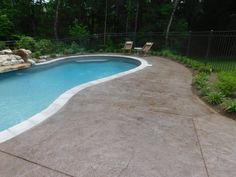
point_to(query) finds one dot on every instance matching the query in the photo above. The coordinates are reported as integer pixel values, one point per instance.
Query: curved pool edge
(60, 101)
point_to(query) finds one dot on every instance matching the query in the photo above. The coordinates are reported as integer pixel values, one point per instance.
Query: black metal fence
(215, 47)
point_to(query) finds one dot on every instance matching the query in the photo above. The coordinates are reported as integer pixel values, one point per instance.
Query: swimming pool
(27, 97)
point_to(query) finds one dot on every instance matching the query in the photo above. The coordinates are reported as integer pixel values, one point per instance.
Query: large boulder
(31, 61)
(6, 51)
(6, 60)
(23, 53)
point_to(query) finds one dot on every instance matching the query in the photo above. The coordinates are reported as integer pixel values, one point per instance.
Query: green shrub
(44, 46)
(195, 64)
(205, 69)
(77, 29)
(53, 55)
(59, 47)
(5, 24)
(167, 53)
(75, 47)
(226, 82)
(68, 51)
(155, 53)
(26, 42)
(82, 50)
(205, 90)
(229, 105)
(36, 54)
(215, 98)
(178, 58)
(109, 46)
(109, 49)
(2, 45)
(91, 51)
(200, 80)
(185, 60)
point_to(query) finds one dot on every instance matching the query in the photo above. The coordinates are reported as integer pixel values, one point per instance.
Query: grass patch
(219, 64)
(215, 98)
(229, 105)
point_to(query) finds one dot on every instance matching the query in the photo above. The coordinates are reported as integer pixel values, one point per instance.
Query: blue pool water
(24, 93)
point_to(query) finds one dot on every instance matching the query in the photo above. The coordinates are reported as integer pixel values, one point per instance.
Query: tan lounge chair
(145, 48)
(128, 46)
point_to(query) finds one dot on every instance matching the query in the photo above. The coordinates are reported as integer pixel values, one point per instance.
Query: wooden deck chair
(146, 48)
(128, 46)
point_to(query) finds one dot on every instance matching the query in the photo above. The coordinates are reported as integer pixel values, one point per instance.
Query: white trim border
(65, 97)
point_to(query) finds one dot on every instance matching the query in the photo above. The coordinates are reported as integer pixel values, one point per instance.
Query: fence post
(189, 43)
(209, 44)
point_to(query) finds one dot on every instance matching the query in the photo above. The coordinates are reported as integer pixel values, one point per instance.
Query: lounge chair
(128, 46)
(145, 48)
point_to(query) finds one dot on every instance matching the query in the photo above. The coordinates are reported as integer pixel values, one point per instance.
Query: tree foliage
(5, 26)
(78, 30)
(36, 18)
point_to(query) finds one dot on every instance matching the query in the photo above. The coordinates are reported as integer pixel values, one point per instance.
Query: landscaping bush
(2, 45)
(59, 47)
(200, 80)
(194, 64)
(229, 105)
(205, 68)
(77, 29)
(91, 51)
(36, 54)
(215, 98)
(109, 46)
(75, 47)
(167, 53)
(53, 55)
(191, 63)
(205, 90)
(179, 58)
(186, 61)
(226, 82)
(68, 51)
(26, 42)
(44, 46)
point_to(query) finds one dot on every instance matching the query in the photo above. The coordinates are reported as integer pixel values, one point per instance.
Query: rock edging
(14, 60)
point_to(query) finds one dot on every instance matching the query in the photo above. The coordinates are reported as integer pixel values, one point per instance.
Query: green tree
(5, 26)
(78, 30)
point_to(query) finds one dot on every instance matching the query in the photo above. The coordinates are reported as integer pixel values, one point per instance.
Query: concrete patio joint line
(35, 163)
(200, 147)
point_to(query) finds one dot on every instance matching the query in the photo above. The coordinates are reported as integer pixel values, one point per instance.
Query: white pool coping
(65, 97)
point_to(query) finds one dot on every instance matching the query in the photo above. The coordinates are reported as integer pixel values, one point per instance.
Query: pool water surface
(25, 93)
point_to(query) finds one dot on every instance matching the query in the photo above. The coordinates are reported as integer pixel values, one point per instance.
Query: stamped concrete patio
(146, 124)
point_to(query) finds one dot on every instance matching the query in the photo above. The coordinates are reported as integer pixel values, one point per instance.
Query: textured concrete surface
(147, 124)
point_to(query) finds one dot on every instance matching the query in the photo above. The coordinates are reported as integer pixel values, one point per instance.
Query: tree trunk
(92, 22)
(105, 24)
(170, 21)
(136, 19)
(56, 19)
(128, 9)
(127, 25)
